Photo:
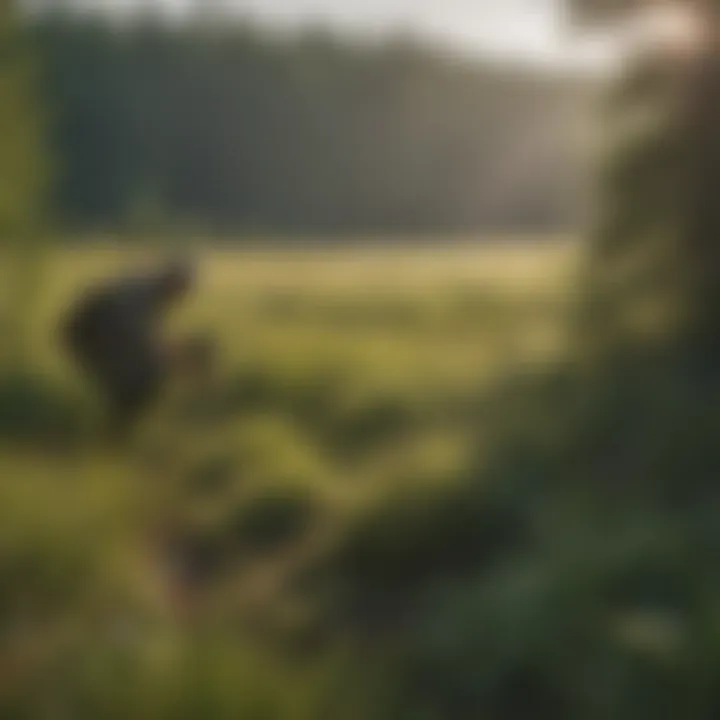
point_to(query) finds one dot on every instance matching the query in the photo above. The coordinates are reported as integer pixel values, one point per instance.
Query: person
(114, 334)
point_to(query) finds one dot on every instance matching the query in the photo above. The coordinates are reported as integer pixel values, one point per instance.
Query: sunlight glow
(529, 31)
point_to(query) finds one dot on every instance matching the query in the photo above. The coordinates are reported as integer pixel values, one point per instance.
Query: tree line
(235, 129)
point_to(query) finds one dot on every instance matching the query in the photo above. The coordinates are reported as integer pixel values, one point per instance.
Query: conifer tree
(655, 251)
(23, 181)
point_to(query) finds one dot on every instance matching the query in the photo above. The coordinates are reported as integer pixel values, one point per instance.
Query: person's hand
(192, 357)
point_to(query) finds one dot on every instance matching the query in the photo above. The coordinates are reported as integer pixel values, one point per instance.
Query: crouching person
(114, 334)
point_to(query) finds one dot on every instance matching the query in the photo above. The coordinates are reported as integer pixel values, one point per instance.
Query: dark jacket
(113, 330)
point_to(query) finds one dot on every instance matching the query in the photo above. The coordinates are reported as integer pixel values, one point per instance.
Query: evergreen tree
(23, 179)
(654, 261)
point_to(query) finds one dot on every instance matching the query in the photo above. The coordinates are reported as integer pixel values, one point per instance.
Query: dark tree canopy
(21, 148)
(598, 11)
(234, 129)
(592, 11)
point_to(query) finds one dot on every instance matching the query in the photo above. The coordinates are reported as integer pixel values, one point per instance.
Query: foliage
(651, 267)
(21, 150)
(594, 11)
(210, 568)
(547, 538)
(231, 129)
(22, 183)
(404, 499)
(33, 408)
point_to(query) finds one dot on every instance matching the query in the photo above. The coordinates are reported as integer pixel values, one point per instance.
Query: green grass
(404, 494)
(348, 380)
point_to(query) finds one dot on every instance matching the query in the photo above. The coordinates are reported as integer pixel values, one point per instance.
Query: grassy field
(402, 495)
(297, 297)
(346, 378)
(351, 362)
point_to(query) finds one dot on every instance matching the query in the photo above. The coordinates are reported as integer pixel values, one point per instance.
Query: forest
(234, 130)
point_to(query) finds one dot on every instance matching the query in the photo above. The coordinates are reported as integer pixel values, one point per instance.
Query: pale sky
(532, 30)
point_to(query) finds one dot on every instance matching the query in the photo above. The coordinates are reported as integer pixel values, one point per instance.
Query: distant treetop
(599, 11)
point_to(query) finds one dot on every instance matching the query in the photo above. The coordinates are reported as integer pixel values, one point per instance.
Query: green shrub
(273, 518)
(32, 408)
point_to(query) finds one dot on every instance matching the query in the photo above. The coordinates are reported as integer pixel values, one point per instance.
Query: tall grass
(403, 494)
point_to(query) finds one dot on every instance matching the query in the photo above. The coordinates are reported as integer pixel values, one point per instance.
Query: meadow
(345, 377)
(402, 493)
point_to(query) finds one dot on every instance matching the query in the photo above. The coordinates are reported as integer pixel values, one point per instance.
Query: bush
(273, 518)
(604, 604)
(32, 408)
